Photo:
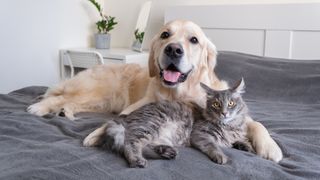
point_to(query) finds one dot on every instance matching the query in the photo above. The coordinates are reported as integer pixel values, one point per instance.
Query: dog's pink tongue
(171, 76)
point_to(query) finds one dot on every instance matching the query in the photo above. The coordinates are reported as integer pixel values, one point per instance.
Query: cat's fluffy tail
(114, 136)
(110, 135)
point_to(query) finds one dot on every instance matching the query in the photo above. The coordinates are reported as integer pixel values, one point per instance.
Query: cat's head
(223, 106)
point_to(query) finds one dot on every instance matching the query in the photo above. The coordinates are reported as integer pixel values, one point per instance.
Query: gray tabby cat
(152, 131)
(157, 129)
(223, 123)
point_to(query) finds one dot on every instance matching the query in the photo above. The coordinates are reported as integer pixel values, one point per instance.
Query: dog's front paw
(219, 157)
(38, 109)
(94, 138)
(91, 141)
(268, 149)
(138, 163)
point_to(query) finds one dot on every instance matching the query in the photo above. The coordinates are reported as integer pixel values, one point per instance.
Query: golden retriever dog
(181, 57)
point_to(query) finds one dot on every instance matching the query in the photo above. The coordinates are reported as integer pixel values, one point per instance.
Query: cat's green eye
(216, 104)
(231, 103)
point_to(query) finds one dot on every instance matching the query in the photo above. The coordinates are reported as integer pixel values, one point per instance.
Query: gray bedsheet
(282, 95)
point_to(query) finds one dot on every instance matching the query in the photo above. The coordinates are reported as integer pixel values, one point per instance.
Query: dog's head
(179, 51)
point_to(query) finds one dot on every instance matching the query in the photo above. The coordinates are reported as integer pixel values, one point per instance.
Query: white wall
(127, 13)
(31, 34)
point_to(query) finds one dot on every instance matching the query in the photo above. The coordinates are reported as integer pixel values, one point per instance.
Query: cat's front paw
(219, 158)
(268, 149)
(166, 152)
(138, 163)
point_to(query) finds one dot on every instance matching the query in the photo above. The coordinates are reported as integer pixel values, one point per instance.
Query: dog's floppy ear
(212, 55)
(152, 65)
(211, 58)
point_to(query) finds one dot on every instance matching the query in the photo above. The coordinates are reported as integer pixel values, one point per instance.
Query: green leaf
(96, 4)
(110, 24)
(138, 35)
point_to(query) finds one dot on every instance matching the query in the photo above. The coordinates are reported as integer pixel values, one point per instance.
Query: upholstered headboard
(274, 30)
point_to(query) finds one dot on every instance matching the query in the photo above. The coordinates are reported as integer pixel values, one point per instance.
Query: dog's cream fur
(125, 88)
(104, 88)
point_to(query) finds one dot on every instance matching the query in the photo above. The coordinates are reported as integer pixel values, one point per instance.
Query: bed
(282, 94)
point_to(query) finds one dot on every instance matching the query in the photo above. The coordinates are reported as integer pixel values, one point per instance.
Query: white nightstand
(77, 59)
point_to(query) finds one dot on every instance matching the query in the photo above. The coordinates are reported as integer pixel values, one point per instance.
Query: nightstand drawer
(112, 61)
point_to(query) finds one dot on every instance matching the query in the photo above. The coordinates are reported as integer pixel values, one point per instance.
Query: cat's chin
(226, 121)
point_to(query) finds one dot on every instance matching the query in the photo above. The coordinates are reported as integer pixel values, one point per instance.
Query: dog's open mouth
(172, 75)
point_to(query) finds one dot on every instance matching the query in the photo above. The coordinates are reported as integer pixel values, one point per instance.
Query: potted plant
(104, 26)
(137, 44)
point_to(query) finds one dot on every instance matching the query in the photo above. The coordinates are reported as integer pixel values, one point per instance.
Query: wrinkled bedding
(282, 94)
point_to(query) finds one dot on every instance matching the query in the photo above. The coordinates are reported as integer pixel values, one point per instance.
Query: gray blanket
(283, 95)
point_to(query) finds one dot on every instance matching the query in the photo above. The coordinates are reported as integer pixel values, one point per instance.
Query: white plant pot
(102, 41)
(136, 46)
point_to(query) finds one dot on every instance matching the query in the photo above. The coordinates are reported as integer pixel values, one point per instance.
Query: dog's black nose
(174, 50)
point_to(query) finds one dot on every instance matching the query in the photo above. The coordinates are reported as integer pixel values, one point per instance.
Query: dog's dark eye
(194, 40)
(164, 35)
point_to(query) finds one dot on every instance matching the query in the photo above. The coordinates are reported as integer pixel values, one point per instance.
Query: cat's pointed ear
(206, 88)
(239, 87)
